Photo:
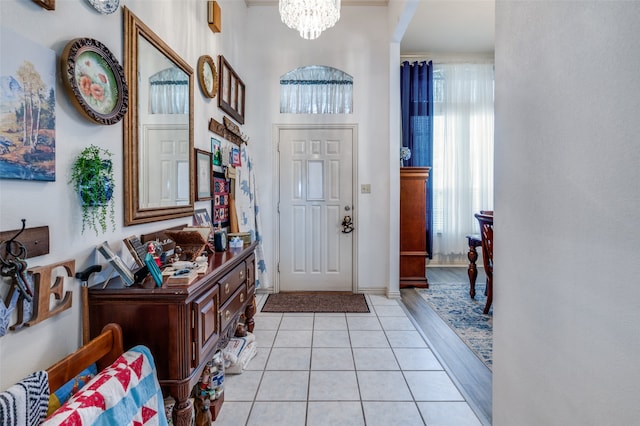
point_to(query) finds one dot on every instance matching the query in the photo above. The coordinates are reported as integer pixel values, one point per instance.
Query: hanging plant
(92, 179)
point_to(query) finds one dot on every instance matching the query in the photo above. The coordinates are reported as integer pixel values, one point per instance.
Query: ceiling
(451, 27)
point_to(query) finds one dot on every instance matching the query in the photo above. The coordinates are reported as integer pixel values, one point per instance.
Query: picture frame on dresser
(201, 218)
(117, 263)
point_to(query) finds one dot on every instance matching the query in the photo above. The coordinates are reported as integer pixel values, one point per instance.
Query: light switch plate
(365, 188)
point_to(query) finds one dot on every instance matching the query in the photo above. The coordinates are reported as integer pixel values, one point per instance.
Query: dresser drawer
(251, 274)
(233, 307)
(230, 282)
(206, 327)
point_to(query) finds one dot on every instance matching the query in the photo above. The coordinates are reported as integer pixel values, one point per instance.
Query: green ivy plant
(92, 179)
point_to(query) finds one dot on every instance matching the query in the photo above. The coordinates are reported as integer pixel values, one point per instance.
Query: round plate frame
(94, 81)
(208, 80)
(105, 7)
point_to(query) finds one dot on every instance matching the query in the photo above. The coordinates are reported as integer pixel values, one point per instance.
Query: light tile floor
(343, 369)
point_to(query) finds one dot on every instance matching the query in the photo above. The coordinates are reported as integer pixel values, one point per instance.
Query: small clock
(220, 240)
(208, 76)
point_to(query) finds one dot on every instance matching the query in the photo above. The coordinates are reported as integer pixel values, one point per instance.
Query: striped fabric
(26, 402)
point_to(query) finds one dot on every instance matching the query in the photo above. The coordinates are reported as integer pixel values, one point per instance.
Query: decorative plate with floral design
(105, 6)
(95, 80)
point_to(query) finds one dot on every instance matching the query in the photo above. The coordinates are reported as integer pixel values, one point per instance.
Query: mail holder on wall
(228, 130)
(15, 247)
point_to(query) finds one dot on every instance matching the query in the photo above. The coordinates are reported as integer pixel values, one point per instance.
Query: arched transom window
(316, 89)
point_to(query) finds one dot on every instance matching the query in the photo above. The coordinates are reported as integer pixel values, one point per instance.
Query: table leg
(472, 270)
(249, 312)
(182, 412)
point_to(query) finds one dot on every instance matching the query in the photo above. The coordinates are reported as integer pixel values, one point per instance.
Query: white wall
(567, 201)
(182, 25)
(260, 48)
(358, 46)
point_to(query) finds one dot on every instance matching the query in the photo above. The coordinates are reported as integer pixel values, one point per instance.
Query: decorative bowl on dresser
(183, 326)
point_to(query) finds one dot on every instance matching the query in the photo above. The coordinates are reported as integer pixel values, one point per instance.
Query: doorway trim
(276, 185)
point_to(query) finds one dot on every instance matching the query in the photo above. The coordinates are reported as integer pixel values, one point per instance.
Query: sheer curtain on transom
(462, 155)
(169, 92)
(316, 89)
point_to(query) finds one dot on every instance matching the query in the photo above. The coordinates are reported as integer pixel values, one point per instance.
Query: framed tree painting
(28, 100)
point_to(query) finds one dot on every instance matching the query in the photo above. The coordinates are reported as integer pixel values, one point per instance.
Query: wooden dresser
(413, 226)
(183, 326)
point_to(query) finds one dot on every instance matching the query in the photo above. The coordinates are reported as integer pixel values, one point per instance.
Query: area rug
(316, 302)
(464, 315)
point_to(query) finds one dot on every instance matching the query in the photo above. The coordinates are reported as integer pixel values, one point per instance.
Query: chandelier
(310, 17)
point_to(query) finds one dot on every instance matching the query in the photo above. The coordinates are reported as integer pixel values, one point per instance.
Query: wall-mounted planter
(92, 179)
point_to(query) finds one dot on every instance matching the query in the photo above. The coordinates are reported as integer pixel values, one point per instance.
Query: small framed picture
(235, 157)
(118, 264)
(217, 153)
(136, 248)
(203, 175)
(201, 218)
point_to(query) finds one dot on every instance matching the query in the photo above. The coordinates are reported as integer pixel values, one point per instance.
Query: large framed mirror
(158, 128)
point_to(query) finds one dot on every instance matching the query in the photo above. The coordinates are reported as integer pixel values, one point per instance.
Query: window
(462, 174)
(316, 89)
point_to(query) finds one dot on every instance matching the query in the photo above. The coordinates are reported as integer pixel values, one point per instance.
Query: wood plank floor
(473, 378)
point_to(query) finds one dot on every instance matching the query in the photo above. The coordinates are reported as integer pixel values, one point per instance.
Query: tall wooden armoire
(413, 226)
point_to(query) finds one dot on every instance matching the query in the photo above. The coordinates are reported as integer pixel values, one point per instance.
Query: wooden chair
(485, 219)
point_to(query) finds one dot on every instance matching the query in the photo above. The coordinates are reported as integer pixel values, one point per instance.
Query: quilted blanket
(125, 393)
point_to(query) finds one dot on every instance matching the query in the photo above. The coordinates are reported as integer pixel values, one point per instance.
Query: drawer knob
(227, 315)
(241, 274)
(241, 297)
(226, 288)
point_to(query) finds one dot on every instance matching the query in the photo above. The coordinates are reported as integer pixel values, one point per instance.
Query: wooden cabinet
(183, 326)
(413, 226)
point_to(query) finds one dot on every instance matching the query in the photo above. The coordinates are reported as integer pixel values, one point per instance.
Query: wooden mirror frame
(133, 213)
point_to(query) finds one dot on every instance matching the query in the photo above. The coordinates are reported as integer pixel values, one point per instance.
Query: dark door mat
(316, 302)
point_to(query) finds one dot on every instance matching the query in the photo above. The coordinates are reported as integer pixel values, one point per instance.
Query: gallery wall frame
(231, 91)
(208, 76)
(220, 202)
(94, 80)
(28, 105)
(47, 4)
(204, 169)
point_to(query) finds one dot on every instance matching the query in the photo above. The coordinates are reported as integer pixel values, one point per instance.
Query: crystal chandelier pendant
(309, 17)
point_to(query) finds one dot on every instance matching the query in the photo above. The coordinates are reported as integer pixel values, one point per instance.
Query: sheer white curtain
(462, 155)
(316, 89)
(169, 92)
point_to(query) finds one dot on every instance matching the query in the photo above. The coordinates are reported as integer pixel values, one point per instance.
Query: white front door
(316, 193)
